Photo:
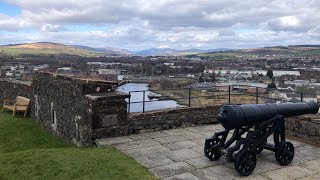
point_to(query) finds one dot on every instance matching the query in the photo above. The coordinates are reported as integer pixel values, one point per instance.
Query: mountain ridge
(39, 48)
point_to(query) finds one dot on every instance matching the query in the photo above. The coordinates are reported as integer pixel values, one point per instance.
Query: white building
(109, 71)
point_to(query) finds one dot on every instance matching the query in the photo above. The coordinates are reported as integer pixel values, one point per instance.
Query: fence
(230, 95)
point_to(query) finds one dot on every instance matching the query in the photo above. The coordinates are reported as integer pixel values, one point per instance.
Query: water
(138, 97)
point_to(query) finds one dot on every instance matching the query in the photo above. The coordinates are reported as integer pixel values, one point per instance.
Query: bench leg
(14, 113)
(25, 113)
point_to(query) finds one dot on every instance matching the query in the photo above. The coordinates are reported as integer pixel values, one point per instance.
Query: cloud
(50, 28)
(138, 24)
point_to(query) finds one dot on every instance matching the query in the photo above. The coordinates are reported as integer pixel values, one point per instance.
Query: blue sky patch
(9, 10)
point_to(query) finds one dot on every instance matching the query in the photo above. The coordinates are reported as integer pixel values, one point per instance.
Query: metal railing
(259, 93)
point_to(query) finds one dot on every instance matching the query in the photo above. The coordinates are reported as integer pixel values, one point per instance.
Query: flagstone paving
(178, 154)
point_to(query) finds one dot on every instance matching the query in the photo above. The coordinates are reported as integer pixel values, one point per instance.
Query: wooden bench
(21, 104)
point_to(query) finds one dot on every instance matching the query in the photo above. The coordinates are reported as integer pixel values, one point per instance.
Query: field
(29, 152)
(202, 98)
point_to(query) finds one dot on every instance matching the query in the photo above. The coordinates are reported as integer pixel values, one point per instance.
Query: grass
(203, 98)
(29, 152)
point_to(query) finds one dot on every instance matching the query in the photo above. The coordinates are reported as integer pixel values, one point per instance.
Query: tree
(212, 77)
(272, 86)
(269, 73)
(201, 79)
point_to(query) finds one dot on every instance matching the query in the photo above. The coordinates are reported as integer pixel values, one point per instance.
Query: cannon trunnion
(251, 125)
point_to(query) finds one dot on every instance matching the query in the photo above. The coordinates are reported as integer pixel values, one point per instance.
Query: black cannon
(252, 124)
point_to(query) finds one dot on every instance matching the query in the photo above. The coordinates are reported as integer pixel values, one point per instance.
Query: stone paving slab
(178, 154)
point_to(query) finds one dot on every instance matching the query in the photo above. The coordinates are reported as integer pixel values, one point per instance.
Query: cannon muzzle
(237, 116)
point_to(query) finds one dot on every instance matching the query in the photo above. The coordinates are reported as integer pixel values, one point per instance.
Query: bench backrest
(20, 100)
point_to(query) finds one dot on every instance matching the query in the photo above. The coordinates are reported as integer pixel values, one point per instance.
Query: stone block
(216, 173)
(181, 145)
(171, 169)
(184, 176)
(311, 177)
(137, 144)
(290, 172)
(183, 154)
(170, 139)
(203, 162)
(112, 141)
(313, 165)
(109, 132)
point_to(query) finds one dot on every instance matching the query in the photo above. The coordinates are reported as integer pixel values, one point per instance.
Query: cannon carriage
(251, 125)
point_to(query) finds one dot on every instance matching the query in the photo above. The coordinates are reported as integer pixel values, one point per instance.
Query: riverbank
(179, 91)
(140, 90)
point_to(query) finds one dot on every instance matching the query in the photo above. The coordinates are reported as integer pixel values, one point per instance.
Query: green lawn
(29, 152)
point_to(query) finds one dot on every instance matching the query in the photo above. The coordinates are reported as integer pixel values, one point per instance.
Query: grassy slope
(46, 48)
(28, 152)
(252, 53)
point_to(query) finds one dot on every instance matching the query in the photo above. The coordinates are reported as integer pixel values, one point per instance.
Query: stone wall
(82, 110)
(77, 110)
(172, 118)
(304, 127)
(108, 114)
(10, 90)
(60, 105)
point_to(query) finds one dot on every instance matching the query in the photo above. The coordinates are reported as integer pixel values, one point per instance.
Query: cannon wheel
(212, 148)
(284, 153)
(245, 162)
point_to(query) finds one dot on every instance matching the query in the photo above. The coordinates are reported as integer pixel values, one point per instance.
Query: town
(290, 75)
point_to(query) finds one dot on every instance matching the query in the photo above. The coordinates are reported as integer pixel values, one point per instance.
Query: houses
(305, 97)
(289, 95)
(112, 71)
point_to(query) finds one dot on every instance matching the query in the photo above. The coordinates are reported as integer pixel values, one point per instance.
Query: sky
(179, 24)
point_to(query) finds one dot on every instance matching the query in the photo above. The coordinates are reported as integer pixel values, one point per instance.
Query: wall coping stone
(28, 83)
(174, 110)
(75, 78)
(107, 96)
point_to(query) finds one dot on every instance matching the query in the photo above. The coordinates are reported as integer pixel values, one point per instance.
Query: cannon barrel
(237, 116)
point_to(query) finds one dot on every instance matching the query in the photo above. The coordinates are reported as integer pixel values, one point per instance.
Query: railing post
(143, 101)
(257, 95)
(189, 96)
(129, 103)
(301, 97)
(229, 94)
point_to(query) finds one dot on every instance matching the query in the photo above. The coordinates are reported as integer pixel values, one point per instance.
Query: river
(138, 97)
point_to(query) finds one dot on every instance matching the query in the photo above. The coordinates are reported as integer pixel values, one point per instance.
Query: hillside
(293, 51)
(45, 48)
(106, 50)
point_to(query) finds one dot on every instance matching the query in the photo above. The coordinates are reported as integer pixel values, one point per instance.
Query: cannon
(251, 125)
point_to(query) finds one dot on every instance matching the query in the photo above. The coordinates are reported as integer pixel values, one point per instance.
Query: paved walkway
(178, 154)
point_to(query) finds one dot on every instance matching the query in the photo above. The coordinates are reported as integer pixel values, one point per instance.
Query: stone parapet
(172, 118)
(305, 127)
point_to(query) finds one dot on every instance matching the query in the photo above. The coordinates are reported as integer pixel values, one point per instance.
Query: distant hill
(42, 48)
(176, 52)
(293, 50)
(47, 48)
(155, 51)
(107, 50)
